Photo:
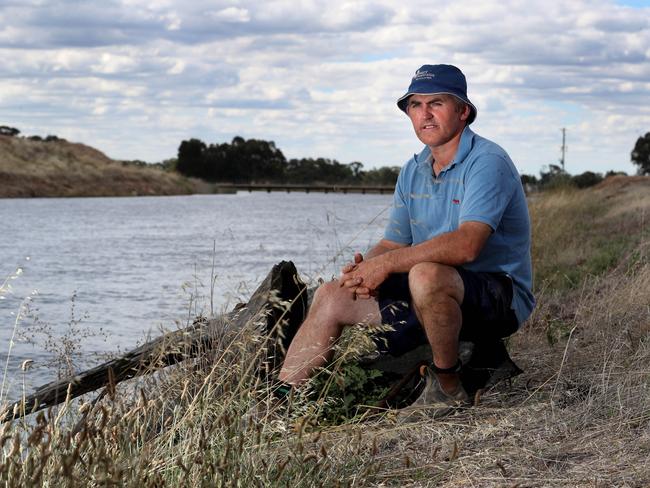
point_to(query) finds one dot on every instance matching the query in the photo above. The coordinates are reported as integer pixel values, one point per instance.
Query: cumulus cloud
(135, 77)
(231, 14)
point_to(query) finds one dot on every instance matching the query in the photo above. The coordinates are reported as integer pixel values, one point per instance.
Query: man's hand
(358, 257)
(364, 277)
(353, 285)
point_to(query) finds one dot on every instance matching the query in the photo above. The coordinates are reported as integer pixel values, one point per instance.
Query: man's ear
(466, 112)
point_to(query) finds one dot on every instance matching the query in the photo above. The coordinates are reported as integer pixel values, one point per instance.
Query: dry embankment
(58, 168)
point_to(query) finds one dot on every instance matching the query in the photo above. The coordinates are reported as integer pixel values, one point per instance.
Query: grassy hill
(579, 415)
(58, 168)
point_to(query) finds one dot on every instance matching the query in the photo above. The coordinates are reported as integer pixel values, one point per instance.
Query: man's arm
(455, 248)
(382, 247)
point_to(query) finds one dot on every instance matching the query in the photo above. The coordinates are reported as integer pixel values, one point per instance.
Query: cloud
(231, 14)
(321, 78)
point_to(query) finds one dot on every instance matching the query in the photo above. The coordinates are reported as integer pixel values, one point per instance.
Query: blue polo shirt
(481, 184)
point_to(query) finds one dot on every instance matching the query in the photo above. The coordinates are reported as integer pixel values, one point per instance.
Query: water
(111, 271)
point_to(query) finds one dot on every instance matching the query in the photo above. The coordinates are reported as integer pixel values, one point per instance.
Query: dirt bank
(58, 168)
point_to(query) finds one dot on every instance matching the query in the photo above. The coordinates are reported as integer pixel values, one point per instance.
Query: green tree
(357, 169)
(245, 161)
(386, 175)
(221, 164)
(528, 180)
(587, 179)
(256, 160)
(5, 130)
(321, 170)
(555, 177)
(260, 161)
(641, 154)
(303, 170)
(191, 158)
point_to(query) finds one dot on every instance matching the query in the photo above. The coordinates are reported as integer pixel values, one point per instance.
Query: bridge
(306, 188)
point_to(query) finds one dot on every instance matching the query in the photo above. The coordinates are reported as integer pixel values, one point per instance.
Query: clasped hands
(363, 277)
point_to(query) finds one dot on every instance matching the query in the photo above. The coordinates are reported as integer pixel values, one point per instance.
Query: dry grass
(201, 423)
(578, 416)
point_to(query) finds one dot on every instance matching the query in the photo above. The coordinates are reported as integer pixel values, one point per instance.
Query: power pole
(563, 148)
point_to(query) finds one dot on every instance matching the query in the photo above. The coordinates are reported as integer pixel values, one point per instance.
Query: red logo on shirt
(455, 201)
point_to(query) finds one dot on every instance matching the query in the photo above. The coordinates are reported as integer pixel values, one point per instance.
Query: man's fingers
(350, 282)
(363, 292)
(348, 268)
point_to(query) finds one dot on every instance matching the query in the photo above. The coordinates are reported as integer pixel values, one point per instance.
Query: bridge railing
(269, 187)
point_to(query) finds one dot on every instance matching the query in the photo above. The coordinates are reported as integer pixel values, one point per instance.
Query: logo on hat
(423, 74)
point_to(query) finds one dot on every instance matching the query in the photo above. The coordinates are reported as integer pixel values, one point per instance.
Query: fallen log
(276, 309)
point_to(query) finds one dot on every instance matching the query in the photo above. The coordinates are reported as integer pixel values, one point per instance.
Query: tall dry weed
(195, 424)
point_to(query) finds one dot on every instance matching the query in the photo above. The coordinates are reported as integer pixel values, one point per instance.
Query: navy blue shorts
(486, 311)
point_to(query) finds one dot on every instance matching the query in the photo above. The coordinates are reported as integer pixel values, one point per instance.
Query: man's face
(436, 118)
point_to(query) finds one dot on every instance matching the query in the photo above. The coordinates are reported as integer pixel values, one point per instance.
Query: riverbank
(577, 416)
(58, 168)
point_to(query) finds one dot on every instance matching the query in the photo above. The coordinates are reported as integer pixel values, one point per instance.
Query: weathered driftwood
(280, 298)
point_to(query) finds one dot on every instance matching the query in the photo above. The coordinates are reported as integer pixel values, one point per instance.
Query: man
(454, 262)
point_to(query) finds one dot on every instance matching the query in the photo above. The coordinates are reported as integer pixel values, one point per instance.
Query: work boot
(434, 402)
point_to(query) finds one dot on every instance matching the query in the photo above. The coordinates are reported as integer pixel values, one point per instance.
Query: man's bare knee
(427, 280)
(328, 296)
(338, 305)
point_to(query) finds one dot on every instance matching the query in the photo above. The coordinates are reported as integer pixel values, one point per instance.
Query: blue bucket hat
(439, 78)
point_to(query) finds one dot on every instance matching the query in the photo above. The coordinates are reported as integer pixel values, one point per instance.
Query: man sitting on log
(454, 263)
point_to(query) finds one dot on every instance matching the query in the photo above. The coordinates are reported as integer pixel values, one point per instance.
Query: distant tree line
(259, 161)
(49, 138)
(5, 130)
(556, 177)
(255, 160)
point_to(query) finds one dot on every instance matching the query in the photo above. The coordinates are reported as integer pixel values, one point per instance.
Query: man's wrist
(387, 261)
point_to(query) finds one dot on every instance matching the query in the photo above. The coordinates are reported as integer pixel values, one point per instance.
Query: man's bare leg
(437, 291)
(331, 310)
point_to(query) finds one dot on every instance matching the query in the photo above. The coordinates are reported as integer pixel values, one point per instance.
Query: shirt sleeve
(398, 228)
(489, 187)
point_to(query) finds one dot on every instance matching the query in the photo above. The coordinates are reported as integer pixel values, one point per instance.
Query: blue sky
(634, 3)
(134, 78)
